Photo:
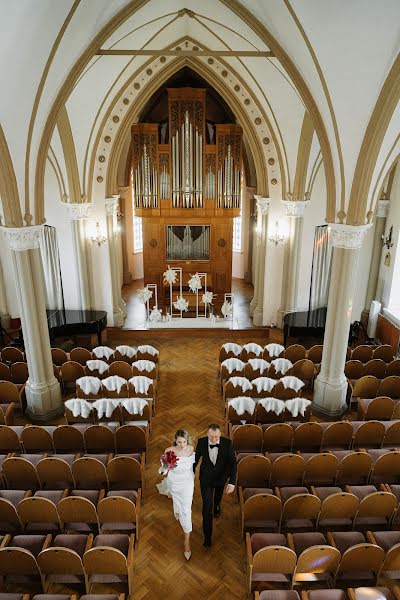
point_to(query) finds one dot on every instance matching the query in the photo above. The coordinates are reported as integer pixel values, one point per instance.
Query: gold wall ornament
(257, 120)
(271, 161)
(136, 86)
(237, 88)
(274, 181)
(163, 59)
(221, 243)
(125, 101)
(153, 243)
(266, 141)
(149, 72)
(224, 73)
(247, 101)
(107, 139)
(387, 259)
(102, 158)
(115, 119)
(100, 179)
(210, 61)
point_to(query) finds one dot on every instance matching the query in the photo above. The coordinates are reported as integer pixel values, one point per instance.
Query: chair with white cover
(107, 410)
(103, 353)
(251, 350)
(97, 368)
(240, 410)
(269, 410)
(88, 388)
(147, 352)
(144, 367)
(298, 409)
(125, 353)
(114, 387)
(137, 411)
(263, 387)
(256, 367)
(273, 350)
(236, 386)
(279, 367)
(304, 370)
(229, 350)
(78, 410)
(141, 386)
(232, 367)
(288, 387)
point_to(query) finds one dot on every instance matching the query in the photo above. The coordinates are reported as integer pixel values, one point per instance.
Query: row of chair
(124, 353)
(370, 386)
(315, 437)
(295, 352)
(263, 387)
(59, 439)
(329, 468)
(259, 367)
(111, 411)
(114, 386)
(266, 410)
(38, 562)
(354, 369)
(360, 593)
(72, 371)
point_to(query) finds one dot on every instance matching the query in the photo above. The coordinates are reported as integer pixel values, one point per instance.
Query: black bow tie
(211, 446)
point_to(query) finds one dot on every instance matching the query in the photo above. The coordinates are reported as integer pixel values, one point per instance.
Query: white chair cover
(126, 351)
(259, 364)
(272, 405)
(134, 406)
(105, 406)
(147, 349)
(97, 365)
(255, 348)
(144, 365)
(141, 383)
(241, 382)
(89, 384)
(282, 365)
(274, 350)
(79, 407)
(233, 364)
(297, 405)
(230, 347)
(242, 404)
(114, 383)
(264, 384)
(103, 352)
(292, 382)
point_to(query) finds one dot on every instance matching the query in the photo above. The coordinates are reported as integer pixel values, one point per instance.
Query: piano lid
(59, 318)
(309, 318)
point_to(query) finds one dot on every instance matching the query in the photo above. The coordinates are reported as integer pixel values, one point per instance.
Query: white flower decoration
(194, 282)
(145, 294)
(227, 309)
(207, 298)
(169, 275)
(155, 315)
(181, 303)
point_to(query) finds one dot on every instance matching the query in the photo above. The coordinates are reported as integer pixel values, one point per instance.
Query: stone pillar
(43, 393)
(380, 225)
(4, 316)
(256, 258)
(262, 209)
(331, 384)
(126, 274)
(79, 213)
(295, 213)
(119, 306)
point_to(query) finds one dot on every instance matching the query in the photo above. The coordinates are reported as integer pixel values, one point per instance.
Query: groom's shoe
(207, 543)
(217, 511)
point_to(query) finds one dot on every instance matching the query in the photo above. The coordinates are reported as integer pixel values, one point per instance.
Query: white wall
(8, 278)
(137, 265)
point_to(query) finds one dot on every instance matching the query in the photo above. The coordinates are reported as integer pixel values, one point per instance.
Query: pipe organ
(187, 174)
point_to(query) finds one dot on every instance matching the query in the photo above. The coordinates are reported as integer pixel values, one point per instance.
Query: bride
(179, 484)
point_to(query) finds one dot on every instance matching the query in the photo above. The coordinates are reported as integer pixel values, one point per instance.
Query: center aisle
(189, 398)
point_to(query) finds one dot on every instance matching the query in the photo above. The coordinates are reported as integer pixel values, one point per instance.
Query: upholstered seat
(302, 541)
(248, 492)
(345, 539)
(33, 543)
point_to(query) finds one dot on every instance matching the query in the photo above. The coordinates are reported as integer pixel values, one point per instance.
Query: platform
(192, 323)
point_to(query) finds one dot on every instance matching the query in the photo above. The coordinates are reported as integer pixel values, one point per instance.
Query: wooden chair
(99, 438)
(321, 469)
(7, 413)
(393, 368)
(231, 367)
(120, 356)
(19, 373)
(5, 372)
(20, 473)
(79, 514)
(10, 355)
(9, 438)
(118, 514)
(308, 437)
(317, 563)
(144, 367)
(366, 387)
(141, 419)
(369, 435)
(304, 369)
(278, 438)
(9, 518)
(125, 473)
(337, 510)
(315, 354)
(89, 473)
(303, 507)
(10, 393)
(392, 435)
(380, 408)
(274, 371)
(376, 367)
(130, 439)
(375, 511)
(233, 417)
(251, 350)
(288, 470)
(262, 416)
(103, 353)
(353, 369)
(20, 563)
(354, 468)
(62, 565)
(263, 387)
(59, 356)
(107, 411)
(237, 386)
(363, 353)
(359, 559)
(36, 438)
(247, 438)
(67, 438)
(295, 352)
(337, 436)
(253, 471)
(386, 469)
(391, 564)
(255, 368)
(141, 386)
(84, 412)
(39, 515)
(55, 473)
(80, 355)
(229, 350)
(121, 368)
(70, 372)
(115, 387)
(86, 380)
(283, 393)
(111, 563)
(147, 352)
(384, 352)
(98, 368)
(268, 563)
(390, 386)
(260, 512)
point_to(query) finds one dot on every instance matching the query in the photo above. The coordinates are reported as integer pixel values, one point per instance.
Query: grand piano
(309, 323)
(76, 322)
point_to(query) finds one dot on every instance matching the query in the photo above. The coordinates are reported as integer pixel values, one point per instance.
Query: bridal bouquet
(169, 461)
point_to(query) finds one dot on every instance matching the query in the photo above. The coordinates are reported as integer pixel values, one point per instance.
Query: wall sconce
(387, 241)
(277, 237)
(98, 239)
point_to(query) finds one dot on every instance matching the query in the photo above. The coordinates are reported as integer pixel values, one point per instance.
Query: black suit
(214, 477)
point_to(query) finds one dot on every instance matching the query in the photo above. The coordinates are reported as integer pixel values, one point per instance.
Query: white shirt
(213, 454)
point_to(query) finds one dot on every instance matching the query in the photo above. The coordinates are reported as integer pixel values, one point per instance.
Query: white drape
(51, 268)
(321, 268)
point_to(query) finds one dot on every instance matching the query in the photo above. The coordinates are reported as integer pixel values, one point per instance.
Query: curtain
(321, 268)
(51, 268)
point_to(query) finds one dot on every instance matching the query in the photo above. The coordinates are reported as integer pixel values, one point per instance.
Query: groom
(218, 465)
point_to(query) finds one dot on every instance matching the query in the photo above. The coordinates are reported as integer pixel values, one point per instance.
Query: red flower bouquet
(169, 460)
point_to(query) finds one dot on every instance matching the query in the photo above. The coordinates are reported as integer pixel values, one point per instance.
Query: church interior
(218, 183)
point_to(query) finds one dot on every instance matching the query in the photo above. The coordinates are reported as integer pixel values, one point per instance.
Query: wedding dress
(179, 485)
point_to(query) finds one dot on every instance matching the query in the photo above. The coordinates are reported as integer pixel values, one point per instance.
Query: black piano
(76, 322)
(309, 323)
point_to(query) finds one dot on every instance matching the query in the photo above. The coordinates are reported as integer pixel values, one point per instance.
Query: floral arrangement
(227, 309)
(194, 282)
(145, 294)
(169, 461)
(169, 275)
(207, 298)
(181, 303)
(155, 315)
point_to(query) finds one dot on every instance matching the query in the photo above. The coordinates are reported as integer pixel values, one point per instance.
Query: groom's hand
(229, 488)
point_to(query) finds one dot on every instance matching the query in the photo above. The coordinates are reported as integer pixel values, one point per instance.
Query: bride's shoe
(187, 555)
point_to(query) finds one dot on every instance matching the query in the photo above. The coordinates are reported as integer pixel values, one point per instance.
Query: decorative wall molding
(262, 204)
(79, 211)
(349, 237)
(383, 208)
(23, 238)
(295, 208)
(111, 205)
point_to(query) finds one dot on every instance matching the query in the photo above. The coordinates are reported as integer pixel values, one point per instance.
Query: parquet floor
(188, 397)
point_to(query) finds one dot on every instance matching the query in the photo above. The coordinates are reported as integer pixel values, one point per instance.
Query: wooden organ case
(187, 192)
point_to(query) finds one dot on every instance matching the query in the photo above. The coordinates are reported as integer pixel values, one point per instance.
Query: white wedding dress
(179, 485)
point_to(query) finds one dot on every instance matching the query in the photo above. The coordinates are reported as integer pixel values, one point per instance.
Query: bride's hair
(183, 434)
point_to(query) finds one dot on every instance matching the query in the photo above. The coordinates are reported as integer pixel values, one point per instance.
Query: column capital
(262, 204)
(23, 238)
(348, 236)
(295, 208)
(383, 208)
(81, 210)
(111, 204)
(123, 190)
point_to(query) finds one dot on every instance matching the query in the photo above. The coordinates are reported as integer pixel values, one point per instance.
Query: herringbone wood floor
(188, 397)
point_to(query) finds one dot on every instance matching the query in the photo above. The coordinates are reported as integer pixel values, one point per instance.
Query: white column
(43, 394)
(380, 225)
(295, 213)
(79, 213)
(126, 274)
(4, 316)
(262, 209)
(119, 306)
(256, 258)
(331, 384)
